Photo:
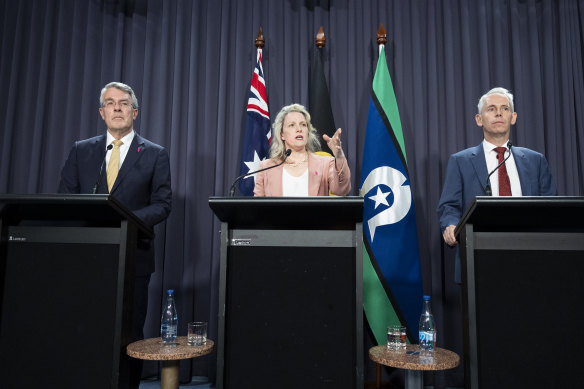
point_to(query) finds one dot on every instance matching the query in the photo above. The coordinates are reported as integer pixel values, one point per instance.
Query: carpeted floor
(196, 383)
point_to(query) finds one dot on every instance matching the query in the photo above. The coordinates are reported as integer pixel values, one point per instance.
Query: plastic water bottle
(427, 328)
(169, 320)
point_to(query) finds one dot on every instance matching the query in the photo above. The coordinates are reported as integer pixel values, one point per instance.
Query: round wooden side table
(413, 362)
(152, 349)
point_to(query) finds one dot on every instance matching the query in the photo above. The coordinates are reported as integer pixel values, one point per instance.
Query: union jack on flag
(257, 137)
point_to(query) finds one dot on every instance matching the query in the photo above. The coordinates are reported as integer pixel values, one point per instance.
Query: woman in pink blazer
(304, 173)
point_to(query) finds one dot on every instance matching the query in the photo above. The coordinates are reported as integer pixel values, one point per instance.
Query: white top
(492, 162)
(123, 148)
(294, 186)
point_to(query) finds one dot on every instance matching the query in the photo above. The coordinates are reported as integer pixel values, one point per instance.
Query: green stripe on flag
(378, 309)
(387, 100)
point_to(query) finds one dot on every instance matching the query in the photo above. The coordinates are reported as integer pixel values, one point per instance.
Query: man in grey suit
(524, 173)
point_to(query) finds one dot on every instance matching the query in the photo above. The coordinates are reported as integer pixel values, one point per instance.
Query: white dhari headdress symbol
(402, 196)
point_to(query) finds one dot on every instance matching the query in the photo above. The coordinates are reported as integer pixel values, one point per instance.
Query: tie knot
(500, 150)
(118, 143)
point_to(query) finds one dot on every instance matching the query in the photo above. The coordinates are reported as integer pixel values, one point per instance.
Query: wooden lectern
(523, 294)
(66, 290)
(290, 298)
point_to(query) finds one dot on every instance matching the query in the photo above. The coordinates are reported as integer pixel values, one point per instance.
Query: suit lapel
(274, 181)
(314, 176)
(99, 153)
(479, 164)
(98, 158)
(135, 151)
(522, 167)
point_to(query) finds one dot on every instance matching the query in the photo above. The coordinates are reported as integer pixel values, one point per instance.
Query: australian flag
(257, 138)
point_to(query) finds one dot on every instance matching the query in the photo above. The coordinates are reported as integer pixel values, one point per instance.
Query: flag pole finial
(381, 35)
(320, 38)
(260, 41)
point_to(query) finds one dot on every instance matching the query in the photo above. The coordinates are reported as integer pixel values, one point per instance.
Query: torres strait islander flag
(392, 280)
(257, 137)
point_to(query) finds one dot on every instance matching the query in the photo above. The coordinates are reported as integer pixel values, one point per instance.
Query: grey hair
(123, 88)
(277, 149)
(496, 91)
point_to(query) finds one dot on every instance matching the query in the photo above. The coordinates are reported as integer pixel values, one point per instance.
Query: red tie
(504, 183)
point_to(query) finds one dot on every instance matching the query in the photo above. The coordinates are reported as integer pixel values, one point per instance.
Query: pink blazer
(322, 178)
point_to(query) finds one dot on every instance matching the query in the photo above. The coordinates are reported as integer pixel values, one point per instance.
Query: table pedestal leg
(169, 375)
(414, 379)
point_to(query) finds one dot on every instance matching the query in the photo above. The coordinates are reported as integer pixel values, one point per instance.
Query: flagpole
(320, 38)
(260, 41)
(381, 41)
(381, 37)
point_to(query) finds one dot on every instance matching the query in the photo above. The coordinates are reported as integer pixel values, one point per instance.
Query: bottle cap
(426, 298)
(170, 291)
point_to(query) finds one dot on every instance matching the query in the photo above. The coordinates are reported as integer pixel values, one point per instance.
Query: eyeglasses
(124, 104)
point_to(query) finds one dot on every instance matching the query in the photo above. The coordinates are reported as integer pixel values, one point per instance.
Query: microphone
(232, 190)
(108, 148)
(488, 191)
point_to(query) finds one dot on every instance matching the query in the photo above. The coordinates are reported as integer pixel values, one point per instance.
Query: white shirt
(294, 186)
(492, 162)
(123, 148)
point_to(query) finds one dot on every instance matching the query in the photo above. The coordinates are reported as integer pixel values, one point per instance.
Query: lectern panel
(528, 312)
(290, 318)
(290, 292)
(57, 306)
(66, 287)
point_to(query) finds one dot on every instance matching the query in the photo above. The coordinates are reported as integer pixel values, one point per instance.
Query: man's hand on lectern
(448, 235)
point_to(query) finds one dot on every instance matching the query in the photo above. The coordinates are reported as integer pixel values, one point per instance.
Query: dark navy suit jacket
(142, 185)
(466, 176)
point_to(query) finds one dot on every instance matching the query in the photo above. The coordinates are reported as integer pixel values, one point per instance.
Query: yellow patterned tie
(113, 166)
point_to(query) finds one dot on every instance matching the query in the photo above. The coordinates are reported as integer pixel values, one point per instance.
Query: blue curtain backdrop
(190, 63)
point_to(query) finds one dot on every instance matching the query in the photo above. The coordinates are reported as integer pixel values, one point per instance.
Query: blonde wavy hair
(278, 149)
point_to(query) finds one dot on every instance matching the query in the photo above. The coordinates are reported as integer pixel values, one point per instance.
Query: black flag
(319, 102)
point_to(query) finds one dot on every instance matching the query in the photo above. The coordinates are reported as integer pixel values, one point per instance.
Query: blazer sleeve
(260, 181)
(339, 181)
(547, 185)
(450, 205)
(160, 193)
(70, 174)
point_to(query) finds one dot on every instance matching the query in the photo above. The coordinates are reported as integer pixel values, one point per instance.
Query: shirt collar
(488, 147)
(127, 139)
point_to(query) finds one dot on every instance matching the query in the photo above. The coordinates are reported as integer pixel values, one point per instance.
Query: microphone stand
(488, 190)
(108, 148)
(232, 190)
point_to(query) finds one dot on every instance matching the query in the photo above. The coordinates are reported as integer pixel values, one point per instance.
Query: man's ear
(479, 120)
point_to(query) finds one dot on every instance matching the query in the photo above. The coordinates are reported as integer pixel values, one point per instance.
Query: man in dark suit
(524, 173)
(137, 173)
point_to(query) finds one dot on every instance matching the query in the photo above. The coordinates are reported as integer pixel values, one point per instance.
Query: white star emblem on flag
(253, 165)
(394, 179)
(380, 198)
